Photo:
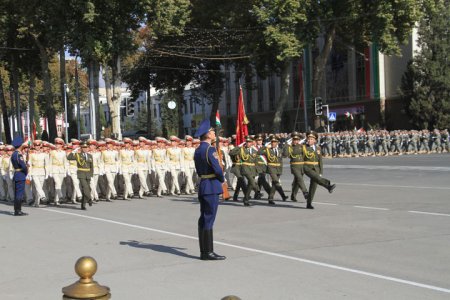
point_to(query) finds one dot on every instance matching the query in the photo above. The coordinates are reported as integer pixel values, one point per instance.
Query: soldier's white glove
(241, 144)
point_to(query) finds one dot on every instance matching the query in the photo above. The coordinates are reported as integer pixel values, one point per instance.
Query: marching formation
(383, 143)
(89, 171)
(137, 168)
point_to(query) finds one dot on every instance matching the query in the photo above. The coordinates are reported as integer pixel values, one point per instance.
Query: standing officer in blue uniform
(210, 187)
(20, 174)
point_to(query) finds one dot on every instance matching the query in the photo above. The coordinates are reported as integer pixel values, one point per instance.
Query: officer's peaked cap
(203, 128)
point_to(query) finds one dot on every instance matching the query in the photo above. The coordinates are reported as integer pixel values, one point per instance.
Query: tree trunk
(31, 99)
(62, 75)
(114, 103)
(4, 112)
(284, 92)
(98, 108)
(149, 113)
(46, 77)
(319, 66)
(180, 97)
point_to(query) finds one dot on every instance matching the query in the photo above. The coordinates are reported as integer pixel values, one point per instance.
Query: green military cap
(248, 139)
(313, 134)
(273, 138)
(258, 137)
(295, 135)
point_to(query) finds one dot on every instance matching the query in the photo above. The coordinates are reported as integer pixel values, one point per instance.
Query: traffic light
(318, 103)
(130, 108)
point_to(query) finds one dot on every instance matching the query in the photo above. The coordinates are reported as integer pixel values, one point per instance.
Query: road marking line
(392, 168)
(317, 263)
(325, 203)
(428, 213)
(396, 186)
(370, 207)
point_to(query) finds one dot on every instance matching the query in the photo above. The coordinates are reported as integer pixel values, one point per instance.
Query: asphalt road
(383, 234)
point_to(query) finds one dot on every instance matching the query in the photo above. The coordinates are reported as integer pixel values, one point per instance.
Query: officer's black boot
(294, 192)
(280, 190)
(201, 242)
(209, 246)
(331, 188)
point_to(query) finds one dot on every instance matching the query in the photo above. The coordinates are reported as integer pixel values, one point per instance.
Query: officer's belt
(17, 170)
(208, 176)
(248, 164)
(84, 170)
(297, 163)
(274, 164)
(237, 164)
(311, 163)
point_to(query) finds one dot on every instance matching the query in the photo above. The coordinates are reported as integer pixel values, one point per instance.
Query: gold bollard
(86, 287)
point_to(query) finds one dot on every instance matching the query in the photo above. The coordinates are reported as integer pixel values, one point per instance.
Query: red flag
(242, 121)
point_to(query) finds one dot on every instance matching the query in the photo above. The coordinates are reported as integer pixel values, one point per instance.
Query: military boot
(208, 246)
(279, 188)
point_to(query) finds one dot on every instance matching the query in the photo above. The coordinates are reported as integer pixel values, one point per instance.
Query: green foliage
(426, 83)
(169, 116)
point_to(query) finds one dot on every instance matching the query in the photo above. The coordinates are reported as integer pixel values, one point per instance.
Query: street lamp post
(66, 121)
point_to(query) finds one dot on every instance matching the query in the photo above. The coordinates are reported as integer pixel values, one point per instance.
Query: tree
(426, 83)
(387, 23)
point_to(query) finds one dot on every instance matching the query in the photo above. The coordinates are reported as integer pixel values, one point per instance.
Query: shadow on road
(158, 248)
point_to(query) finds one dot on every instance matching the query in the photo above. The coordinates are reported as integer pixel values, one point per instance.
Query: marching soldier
(295, 153)
(20, 174)
(85, 170)
(7, 172)
(76, 194)
(247, 156)
(58, 168)
(175, 162)
(38, 170)
(189, 165)
(211, 177)
(110, 164)
(274, 168)
(141, 155)
(261, 167)
(127, 168)
(313, 168)
(97, 163)
(160, 165)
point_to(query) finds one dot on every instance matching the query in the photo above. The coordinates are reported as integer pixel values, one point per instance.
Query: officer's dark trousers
(85, 187)
(298, 181)
(251, 186)
(19, 194)
(262, 182)
(276, 186)
(208, 211)
(239, 185)
(315, 179)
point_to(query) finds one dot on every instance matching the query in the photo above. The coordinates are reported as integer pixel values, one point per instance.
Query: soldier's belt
(237, 164)
(38, 167)
(311, 163)
(298, 163)
(59, 165)
(274, 164)
(84, 169)
(208, 176)
(248, 164)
